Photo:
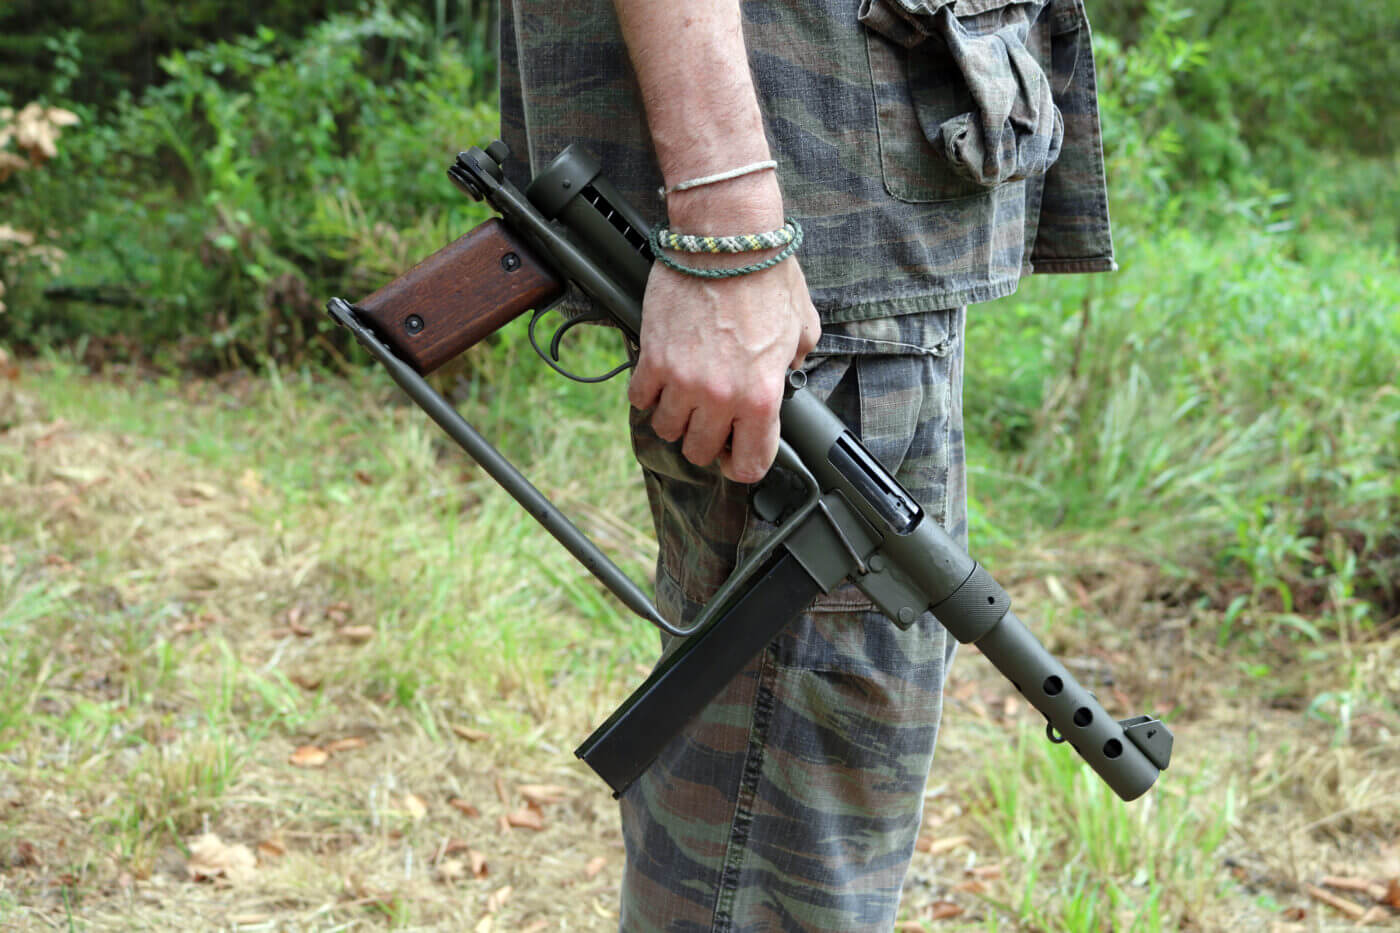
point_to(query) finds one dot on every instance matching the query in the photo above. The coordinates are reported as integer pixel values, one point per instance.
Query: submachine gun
(838, 513)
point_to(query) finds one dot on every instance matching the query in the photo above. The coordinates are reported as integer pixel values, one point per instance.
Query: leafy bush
(1249, 101)
(222, 208)
(120, 43)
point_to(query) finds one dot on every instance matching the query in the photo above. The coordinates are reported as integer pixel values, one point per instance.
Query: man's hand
(714, 356)
(714, 351)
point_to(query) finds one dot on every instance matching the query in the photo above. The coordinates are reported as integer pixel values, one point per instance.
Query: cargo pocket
(962, 101)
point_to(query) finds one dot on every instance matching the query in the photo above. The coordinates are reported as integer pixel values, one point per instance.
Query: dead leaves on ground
(213, 860)
(315, 756)
(536, 797)
(299, 622)
(452, 867)
(309, 756)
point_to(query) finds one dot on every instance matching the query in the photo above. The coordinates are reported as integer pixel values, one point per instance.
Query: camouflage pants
(794, 800)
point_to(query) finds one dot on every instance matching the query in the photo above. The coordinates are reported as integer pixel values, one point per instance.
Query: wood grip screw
(413, 324)
(510, 262)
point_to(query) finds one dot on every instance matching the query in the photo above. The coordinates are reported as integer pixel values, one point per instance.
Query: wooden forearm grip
(466, 290)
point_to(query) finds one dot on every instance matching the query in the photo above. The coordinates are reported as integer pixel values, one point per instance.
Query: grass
(199, 578)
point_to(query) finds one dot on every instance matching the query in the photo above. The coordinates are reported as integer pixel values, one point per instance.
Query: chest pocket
(962, 100)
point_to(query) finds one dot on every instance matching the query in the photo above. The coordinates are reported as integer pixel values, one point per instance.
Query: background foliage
(1191, 469)
(233, 165)
(228, 172)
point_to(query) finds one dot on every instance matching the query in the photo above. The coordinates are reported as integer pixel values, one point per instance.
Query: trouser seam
(763, 705)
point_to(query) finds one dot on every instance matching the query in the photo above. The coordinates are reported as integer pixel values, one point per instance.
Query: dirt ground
(373, 814)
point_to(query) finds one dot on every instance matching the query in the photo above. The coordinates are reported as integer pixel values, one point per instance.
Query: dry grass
(178, 621)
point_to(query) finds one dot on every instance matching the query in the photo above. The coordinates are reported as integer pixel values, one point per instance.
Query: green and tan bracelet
(789, 237)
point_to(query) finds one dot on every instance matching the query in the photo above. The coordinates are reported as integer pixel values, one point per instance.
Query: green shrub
(208, 221)
(120, 43)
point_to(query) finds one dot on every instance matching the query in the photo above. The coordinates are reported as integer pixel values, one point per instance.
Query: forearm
(702, 111)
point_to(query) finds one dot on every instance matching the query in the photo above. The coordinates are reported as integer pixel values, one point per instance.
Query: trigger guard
(569, 324)
(551, 357)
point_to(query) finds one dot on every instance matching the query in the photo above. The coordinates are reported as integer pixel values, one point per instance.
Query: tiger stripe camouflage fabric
(934, 151)
(883, 152)
(794, 800)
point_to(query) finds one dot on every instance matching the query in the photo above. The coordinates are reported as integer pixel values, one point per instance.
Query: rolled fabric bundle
(1016, 130)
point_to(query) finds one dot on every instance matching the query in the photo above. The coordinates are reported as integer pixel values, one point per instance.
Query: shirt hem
(897, 306)
(1069, 266)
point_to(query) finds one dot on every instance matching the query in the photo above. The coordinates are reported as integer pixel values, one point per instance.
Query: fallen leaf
(453, 869)
(190, 626)
(358, 634)
(498, 899)
(485, 925)
(540, 795)
(986, 871)
(943, 910)
(948, 844)
(501, 792)
(470, 734)
(211, 860)
(309, 756)
(1392, 893)
(349, 743)
(478, 863)
(194, 491)
(454, 845)
(526, 818)
(594, 866)
(415, 806)
(26, 856)
(59, 562)
(467, 809)
(536, 927)
(272, 848)
(306, 681)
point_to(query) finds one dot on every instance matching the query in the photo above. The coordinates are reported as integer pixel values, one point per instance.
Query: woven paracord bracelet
(659, 252)
(743, 243)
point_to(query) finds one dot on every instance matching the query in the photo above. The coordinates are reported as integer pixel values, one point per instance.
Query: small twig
(1376, 891)
(1353, 910)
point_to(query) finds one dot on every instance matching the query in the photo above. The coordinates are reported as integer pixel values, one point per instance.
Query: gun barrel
(1070, 709)
(935, 573)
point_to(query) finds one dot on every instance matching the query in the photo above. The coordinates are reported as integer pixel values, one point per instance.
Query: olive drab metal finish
(839, 514)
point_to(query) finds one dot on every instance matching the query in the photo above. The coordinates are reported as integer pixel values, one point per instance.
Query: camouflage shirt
(934, 150)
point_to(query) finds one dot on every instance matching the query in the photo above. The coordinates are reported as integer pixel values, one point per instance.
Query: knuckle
(763, 398)
(716, 392)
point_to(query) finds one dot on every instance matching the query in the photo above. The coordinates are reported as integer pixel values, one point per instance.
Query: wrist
(748, 204)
